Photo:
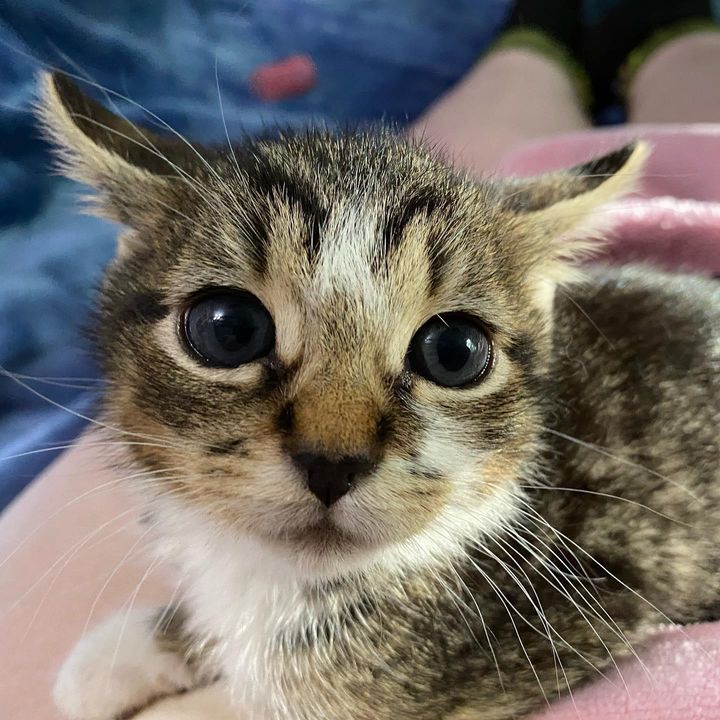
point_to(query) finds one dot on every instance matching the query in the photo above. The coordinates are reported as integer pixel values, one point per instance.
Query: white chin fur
(117, 668)
(195, 544)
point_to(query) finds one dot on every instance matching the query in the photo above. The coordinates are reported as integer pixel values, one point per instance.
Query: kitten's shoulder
(634, 370)
(638, 313)
(635, 363)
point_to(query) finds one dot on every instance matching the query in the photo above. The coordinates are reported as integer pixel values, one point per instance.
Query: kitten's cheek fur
(118, 668)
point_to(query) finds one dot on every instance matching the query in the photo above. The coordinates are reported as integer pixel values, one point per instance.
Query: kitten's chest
(269, 645)
(246, 627)
(255, 621)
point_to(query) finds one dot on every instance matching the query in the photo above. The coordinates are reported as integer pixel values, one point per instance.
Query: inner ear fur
(613, 174)
(560, 217)
(132, 168)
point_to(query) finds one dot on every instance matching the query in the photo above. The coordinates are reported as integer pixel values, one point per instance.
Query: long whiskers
(69, 554)
(625, 461)
(572, 547)
(111, 484)
(6, 373)
(556, 581)
(155, 441)
(222, 116)
(609, 496)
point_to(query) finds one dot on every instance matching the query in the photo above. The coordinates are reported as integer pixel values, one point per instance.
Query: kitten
(426, 472)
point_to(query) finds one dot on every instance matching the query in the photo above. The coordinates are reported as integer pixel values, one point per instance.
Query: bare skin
(48, 592)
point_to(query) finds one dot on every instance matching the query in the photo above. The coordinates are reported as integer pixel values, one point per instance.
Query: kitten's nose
(328, 479)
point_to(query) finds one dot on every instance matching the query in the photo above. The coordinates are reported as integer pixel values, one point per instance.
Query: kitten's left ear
(559, 214)
(132, 168)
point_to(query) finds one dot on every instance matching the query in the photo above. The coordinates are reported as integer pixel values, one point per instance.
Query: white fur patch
(242, 595)
(345, 260)
(117, 668)
(472, 512)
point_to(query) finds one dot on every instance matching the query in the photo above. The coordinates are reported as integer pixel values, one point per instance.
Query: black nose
(329, 480)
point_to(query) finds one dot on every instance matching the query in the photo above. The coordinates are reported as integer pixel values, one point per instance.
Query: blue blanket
(375, 59)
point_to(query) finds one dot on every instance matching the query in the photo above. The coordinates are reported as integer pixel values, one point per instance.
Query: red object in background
(282, 79)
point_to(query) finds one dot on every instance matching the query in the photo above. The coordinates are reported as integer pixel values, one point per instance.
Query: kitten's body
(515, 535)
(440, 643)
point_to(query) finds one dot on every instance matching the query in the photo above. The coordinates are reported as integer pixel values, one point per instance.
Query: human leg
(511, 96)
(678, 83)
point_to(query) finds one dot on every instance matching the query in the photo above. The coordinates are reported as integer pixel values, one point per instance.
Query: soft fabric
(374, 60)
(679, 679)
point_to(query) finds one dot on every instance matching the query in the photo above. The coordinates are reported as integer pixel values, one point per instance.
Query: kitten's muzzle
(329, 479)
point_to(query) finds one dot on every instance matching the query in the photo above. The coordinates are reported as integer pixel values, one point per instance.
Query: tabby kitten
(427, 474)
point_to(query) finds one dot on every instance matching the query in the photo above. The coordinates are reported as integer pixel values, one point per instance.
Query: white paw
(118, 668)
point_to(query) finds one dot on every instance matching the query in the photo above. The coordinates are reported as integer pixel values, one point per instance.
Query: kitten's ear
(560, 214)
(132, 168)
(598, 180)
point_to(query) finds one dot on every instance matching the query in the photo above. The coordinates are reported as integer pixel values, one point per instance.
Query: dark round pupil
(455, 348)
(234, 327)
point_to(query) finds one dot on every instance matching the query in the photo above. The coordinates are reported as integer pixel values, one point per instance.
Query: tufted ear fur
(560, 215)
(132, 169)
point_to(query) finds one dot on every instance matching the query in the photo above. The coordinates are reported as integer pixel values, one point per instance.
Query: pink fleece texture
(673, 221)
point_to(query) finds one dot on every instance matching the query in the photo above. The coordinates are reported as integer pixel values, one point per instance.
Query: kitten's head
(331, 343)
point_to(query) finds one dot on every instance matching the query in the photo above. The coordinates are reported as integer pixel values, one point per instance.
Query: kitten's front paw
(118, 668)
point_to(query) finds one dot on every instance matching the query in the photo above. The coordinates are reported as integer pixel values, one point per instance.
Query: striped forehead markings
(272, 183)
(423, 201)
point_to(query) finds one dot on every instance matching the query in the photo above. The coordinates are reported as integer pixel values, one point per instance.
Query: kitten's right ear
(131, 168)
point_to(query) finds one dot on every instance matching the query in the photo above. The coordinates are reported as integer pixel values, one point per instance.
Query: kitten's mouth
(321, 537)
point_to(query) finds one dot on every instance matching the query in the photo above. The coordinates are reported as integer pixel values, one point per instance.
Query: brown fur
(599, 437)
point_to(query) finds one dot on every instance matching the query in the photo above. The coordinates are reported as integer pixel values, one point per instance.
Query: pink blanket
(679, 679)
(674, 222)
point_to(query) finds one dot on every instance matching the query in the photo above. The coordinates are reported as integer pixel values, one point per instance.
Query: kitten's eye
(451, 350)
(228, 328)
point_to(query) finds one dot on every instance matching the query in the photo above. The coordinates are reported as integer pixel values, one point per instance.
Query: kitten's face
(353, 261)
(338, 342)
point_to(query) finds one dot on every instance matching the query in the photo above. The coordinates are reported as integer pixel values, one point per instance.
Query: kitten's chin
(323, 547)
(338, 543)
